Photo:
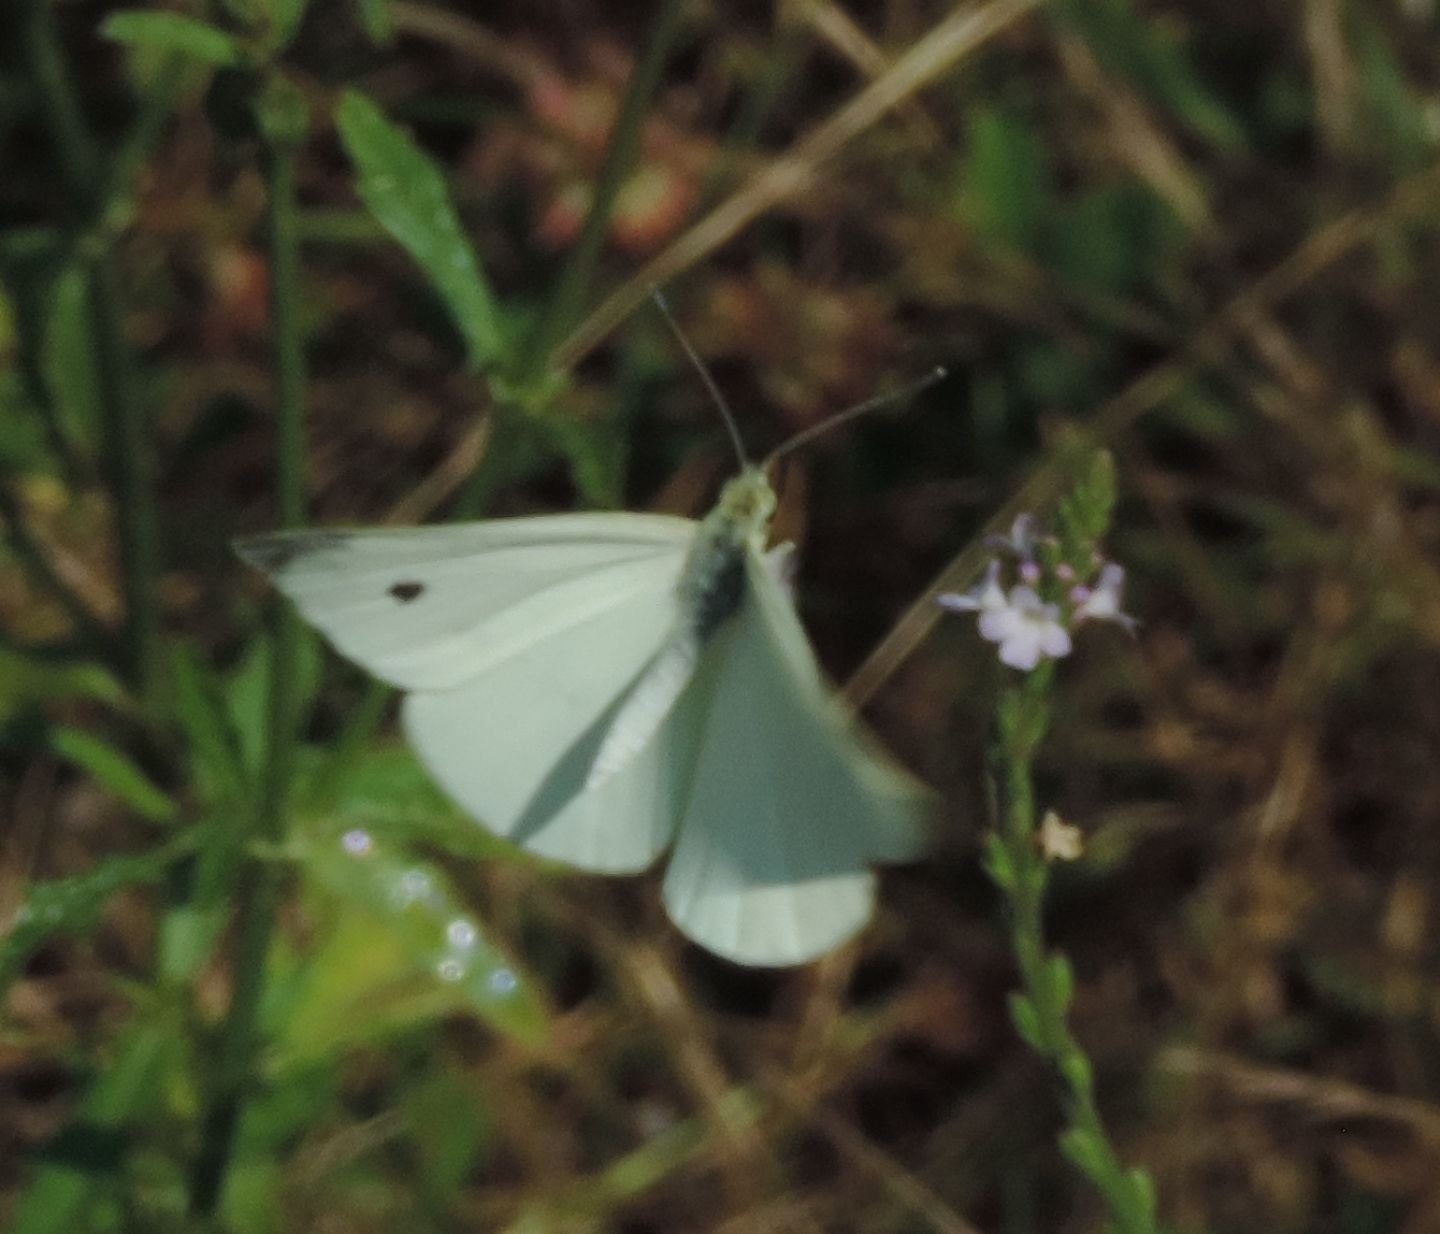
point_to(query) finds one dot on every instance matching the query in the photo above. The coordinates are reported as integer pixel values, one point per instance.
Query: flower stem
(1041, 1008)
(258, 886)
(132, 476)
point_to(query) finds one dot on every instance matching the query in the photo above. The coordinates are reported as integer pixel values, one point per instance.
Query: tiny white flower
(1027, 629)
(981, 598)
(1059, 840)
(1102, 602)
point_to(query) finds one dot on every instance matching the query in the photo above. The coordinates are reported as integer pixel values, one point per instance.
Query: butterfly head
(747, 503)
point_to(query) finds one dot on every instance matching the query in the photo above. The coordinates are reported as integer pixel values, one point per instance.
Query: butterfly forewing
(425, 608)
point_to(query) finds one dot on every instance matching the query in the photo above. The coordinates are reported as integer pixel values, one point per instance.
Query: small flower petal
(1026, 628)
(1021, 652)
(1058, 840)
(1103, 601)
(1054, 640)
(1021, 540)
(984, 596)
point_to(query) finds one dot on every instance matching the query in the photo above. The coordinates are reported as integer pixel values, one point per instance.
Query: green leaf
(115, 771)
(1007, 193)
(285, 19)
(1142, 1188)
(997, 862)
(198, 704)
(375, 20)
(254, 1200)
(186, 939)
(174, 32)
(447, 1134)
(1084, 514)
(595, 453)
(1116, 240)
(68, 905)
(1027, 1023)
(1061, 978)
(407, 192)
(1085, 1154)
(402, 949)
(1392, 114)
(1078, 1071)
(389, 794)
(67, 359)
(28, 680)
(281, 113)
(247, 694)
(77, 1166)
(1153, 57)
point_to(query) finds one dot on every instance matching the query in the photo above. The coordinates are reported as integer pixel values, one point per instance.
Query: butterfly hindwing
(516, 744)
(520, 641)
(789, 806)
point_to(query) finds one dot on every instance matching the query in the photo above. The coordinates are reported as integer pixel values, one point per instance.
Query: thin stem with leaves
(126, 445)
(259, 887)
(1020, 867)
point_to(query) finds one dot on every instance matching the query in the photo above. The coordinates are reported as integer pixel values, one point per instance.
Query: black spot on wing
(273, 553)
(405, 592)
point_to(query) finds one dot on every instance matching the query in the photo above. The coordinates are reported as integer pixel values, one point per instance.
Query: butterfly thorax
(713, 582)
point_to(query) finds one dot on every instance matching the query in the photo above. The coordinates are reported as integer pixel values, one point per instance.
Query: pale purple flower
(1027, 629)
(1011, 602)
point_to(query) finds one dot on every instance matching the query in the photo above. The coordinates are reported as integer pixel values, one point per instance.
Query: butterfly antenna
(854, 413)
(719, 399)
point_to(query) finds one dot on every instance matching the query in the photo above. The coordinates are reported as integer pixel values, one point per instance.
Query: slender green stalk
(1041, 1009)
(79, 156)
(562, 308)
(126, 443)
(132, 475)
(258, 889)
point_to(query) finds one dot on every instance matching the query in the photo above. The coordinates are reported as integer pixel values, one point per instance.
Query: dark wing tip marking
(405, 592)
(273, 553)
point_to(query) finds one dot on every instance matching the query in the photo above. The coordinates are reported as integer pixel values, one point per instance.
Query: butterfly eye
(405, 592)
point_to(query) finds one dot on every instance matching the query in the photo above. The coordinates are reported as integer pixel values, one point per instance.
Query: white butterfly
(598, 687)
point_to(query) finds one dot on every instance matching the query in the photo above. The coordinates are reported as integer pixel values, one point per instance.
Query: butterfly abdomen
(712, 587)
(710, 592)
